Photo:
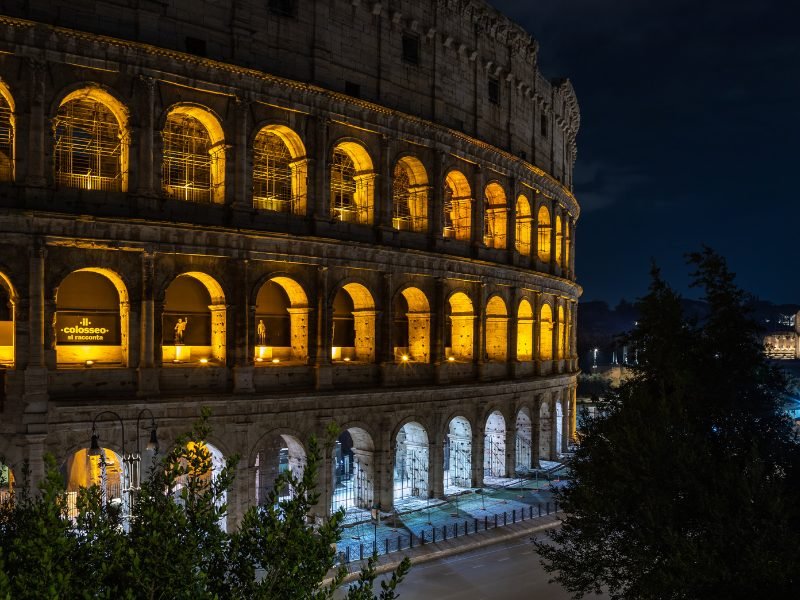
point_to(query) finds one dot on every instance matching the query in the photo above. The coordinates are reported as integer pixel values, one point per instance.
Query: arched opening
(496, 329)
(458, 455)
(543, 233)
(457, 217)
(6, 482)
(7, 133)
(559, 428)
(494, 446)
(105, 470)
(7, 323)
(353, 325)
(281, 322)
(411, 463)
(494, 225)
(545, 431)
(523, 225)
(523, 441)
(412, 326)
(92, 313)
(524, 331)
(353, 471)
(559, 238)
(461, 317)
(352, 184)
(277, 454)
(193, 167)
(193, 323)
(546, 333)
(280, 171)
(206, 452)
(562, 333)
(91, 142)
(410, 195)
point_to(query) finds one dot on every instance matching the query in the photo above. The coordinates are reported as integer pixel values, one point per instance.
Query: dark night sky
(689, 135)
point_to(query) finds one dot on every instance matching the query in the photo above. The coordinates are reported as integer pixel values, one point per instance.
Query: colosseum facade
(292, 213)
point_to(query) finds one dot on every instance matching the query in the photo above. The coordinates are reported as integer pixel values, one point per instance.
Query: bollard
(514, 516)
(399, 543)
(540, 509)
(495, 520)
(386, 544)
(374, 546)
(444, 532)
(504, 519)
(548, 508)
(361, 552)
(411, 541)
(530, 512)
(422, 538)
(455, 530)
(433, 534)
(485, 522)
(347, 553)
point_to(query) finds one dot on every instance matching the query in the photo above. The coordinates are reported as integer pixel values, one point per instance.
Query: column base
(243, 380)
(36, 395)
(324, 377)
(148, 382)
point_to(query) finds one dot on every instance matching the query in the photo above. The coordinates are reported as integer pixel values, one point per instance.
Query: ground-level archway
(7, 320)
(458, 455)
(411, 462)
(353, 471)
(524, 441)
(84, 469)
(277, 454)
(494, 446)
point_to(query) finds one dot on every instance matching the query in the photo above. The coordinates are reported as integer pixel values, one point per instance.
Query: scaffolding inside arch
(272, 175)
(6, 141)
(457, 215)
(89, 146)
(189, 160)
(351, 192)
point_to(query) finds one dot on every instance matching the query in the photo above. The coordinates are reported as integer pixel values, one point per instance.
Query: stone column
(299, 320)
(242, 197)
(436, 198)
(511, 221)
(478, 447)
(384, 334)
(219, 332)
(513, 332)
(557, 358)
(479, 328)
(242, 337)
(37, 125)
(384, 201)
(572, 248)
(573, 414)
(511, 449)
(36, 370)
(384, 470)
(365, 325)
(300, 169)
(536, 301)
(478, 209)
(534, 229)
(324, 375)
(436, 466)
(564, 265)
(320, 196)
(536, 429)
(553, 211)
(147, 129)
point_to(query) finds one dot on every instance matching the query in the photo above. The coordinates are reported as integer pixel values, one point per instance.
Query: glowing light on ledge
(405, 357)
(451, 358)
(204, 361)
(347, 359)
(259, 359)
(89, 363)
(276, 360)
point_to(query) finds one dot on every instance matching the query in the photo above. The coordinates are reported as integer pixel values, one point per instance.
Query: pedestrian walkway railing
(447, 531)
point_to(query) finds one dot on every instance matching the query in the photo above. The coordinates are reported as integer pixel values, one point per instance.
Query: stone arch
(412, 325)
(92, 305)
(217, 464)
(457, 207)
(523, 225)
(458, 454)
(197, 296)
(8, 129)
(8, 319)
(543, 226)
(353, 470)
(524, 330)
(410, 195)
(524, 440)
(81, 469)
(496, 329)
(281, 325)
(546, 332)
(354, 317)
(280, 170)
(274, 453)
(193, 155)
(461, 316)
(352, 177)
(494, 445)
(496, 209)
(91, 140)
(411, 462)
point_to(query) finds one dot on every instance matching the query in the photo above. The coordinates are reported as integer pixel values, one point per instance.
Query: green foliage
(689, 487)
(173, 545)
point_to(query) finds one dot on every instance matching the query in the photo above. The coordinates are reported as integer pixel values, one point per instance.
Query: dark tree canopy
(689, 486)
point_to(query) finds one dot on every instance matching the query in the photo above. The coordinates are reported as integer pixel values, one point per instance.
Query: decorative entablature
(20, 37)
(573, 117)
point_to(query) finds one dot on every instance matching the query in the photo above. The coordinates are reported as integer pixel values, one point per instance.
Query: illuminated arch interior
(6, 481)
(91, 140)
(282, 314)
(524, 331)
(457, 207)
(207, 452)
(458, 455)
(7, 134)
(194, 320)
(412, 325)
(494, 446)
(352, 184)
(523, 225)
(353, 471)
(461, 318)
(559, 238)
(523, 441)
(411, 462)
(562, 333)
(8, 300)
(193, 167)
(543, 233)
(277, 454)
(546, 333)
(353, 324)
(410, 195)
(81, 470)
(496, 329)
(92, 319)
(280, 171)
(494, 233)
